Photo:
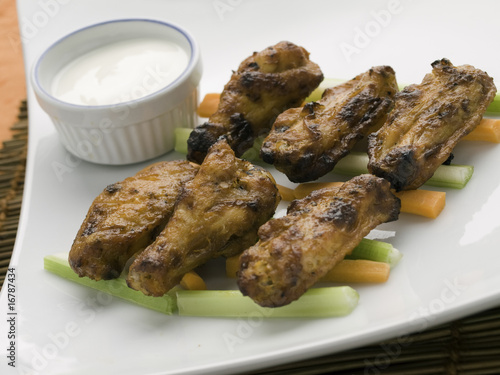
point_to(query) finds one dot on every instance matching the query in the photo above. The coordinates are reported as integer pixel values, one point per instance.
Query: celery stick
(377, 251)
(494, 108)
(452, 176)
(253, 153)
(181, 137)
(326, 83)
(58, 264)
(315, 303)
(353, 164)
(330, 82)
(447, 176)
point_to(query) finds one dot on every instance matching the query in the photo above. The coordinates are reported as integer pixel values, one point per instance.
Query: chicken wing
(126, 217)
(265, 84)
(305, 143)
(427, 122)
(218, 213)
(296, 250)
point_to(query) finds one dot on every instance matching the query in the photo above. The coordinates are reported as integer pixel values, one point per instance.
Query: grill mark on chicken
(126, 217)
(113, 188)
(296, 250)
(218, 213)
(427, 122)
(306, 143)
(265, 84)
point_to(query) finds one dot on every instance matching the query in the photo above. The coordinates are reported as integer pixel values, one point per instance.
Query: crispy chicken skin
(427, 122)
(296, 250)
(305, 143)
(218, 213)
(126, 217)
(265, 84)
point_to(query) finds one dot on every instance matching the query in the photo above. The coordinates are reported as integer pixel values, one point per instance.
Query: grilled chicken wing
(427, 122)
(126, 217)
(305, 143)
(296, 250)
(218, 213)
(265, 84)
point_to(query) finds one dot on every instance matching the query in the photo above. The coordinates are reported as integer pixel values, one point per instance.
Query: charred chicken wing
(427, 122)
(265, 84)
(296, 250)
(126, 217)
(305, 143)
(218, 213)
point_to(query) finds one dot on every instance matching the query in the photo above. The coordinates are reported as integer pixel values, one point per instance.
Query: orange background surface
(12, 80)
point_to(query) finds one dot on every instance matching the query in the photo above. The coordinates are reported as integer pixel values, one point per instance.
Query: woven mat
(469, 346)
(12, 168)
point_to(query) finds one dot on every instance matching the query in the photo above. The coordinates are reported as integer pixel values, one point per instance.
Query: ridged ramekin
(127, 132)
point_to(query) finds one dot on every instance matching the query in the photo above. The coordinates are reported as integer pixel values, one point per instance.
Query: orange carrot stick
(286, 193)
(346, 271)
(358, 271)
(488, 130)
(232, 266)
(421, 202)
(193, 281)
(209, 105)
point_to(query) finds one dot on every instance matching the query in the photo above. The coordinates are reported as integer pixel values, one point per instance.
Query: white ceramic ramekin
(127, 132)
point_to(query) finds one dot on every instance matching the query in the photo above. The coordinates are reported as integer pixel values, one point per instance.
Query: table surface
(12, 81)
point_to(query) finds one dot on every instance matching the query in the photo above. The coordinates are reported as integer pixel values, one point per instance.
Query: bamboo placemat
(12, 168)
(469, 346)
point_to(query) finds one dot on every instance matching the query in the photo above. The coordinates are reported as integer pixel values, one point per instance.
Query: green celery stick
(315, 303)
(58, 264)
(451, 176)
(353, 164)
(181, 137)
(253, 153)
(447, 176)
(494, 108)
(326, 83)
(377, 251)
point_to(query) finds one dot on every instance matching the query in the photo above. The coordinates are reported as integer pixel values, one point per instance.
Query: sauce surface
(119, 72)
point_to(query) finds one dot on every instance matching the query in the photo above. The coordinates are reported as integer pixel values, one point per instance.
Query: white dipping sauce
(119, 72)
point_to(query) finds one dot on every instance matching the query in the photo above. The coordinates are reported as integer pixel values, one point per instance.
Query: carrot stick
(358, 271)
(488, 130)
(346, 271)
(421, 202)
(286, 193)
(208, 105)
(232, 266)
(193, 281)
